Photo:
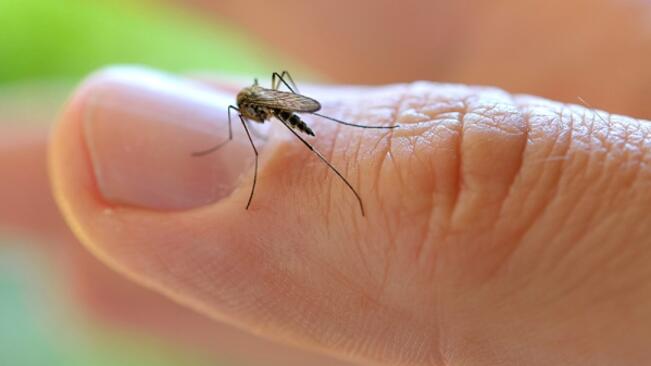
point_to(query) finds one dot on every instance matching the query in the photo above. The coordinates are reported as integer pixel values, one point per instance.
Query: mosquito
(258, 104)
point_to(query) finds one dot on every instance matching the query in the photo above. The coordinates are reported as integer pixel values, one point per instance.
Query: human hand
(500, 229)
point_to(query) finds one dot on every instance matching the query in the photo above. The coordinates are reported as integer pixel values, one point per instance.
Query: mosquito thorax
(247, 106)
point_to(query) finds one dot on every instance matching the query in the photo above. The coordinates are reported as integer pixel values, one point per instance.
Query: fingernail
(141, 128)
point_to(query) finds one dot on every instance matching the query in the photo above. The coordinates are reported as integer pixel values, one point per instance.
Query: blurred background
(59, 306)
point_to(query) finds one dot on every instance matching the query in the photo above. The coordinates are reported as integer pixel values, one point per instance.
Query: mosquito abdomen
(295, 121)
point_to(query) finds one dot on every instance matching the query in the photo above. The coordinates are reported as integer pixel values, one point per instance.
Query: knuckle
(457, 154)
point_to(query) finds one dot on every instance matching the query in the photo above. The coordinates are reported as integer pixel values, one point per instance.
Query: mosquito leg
(230, 136)
(255, 172)
(291, 80)
(318, 154)
(353, 124)
(276, 79)
(255, 132)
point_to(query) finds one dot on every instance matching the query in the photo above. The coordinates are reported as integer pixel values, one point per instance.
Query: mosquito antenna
(318, 154)
(353, 124)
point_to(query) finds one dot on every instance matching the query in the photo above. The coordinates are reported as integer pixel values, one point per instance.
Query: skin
(516, 228)
(530, 245)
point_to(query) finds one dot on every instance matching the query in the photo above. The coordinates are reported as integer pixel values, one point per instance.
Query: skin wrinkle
(414, 155)
(390, 251)
(498, 269)
(579, 281)
(431, 225)
(346, 168)
(501, 200)
(390, 136)
(459, 163)
(329, 197)
(525, 115)
(580, 201)
(360, 251)
(356, 231)
(519, 237)
(630, 162)
(414, 148)
(345, 171)
(361, 132)
(329, 154)
(391, 245)
(554, 196)
(427, 229)
(477, 115)
(558, 258)
(581, 196)
(610, 150)
(613, 254)
(392, 236)
(637, 167)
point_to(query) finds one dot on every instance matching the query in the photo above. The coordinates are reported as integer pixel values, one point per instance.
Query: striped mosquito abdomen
(294, 120)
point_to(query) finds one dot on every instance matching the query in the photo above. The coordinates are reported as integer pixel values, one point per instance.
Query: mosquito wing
(285, 101)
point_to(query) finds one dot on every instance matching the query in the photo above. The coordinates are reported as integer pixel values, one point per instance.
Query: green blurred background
(66, 39)
(46, 48)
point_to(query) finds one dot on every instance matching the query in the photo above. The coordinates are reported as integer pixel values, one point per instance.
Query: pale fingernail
(141, 128)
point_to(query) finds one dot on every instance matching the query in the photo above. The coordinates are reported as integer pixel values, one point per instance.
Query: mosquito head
(246, 104)
(243, 96)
